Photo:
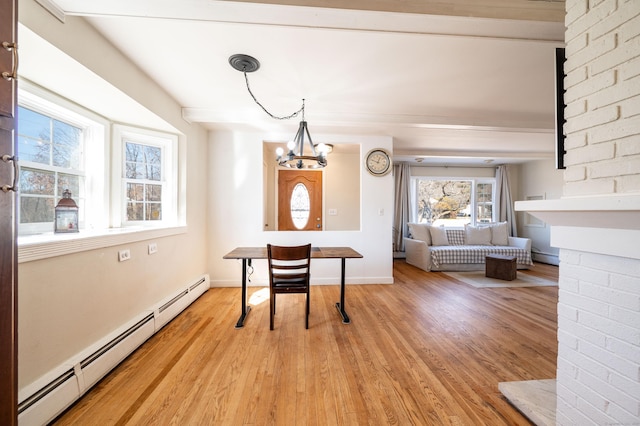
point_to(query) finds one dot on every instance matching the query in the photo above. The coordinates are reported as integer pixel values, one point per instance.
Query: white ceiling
(453, 90)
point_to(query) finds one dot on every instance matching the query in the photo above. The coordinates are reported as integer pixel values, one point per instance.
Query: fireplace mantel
(609, 211)
(607, 224)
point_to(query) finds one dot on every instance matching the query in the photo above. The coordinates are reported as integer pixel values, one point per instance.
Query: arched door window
(300, 206)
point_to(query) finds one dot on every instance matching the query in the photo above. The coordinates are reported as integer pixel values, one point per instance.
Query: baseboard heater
(551, 259)
(56, 395)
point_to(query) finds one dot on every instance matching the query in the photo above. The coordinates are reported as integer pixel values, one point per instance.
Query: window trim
(169, 144)
(474, 182)
(100, 232)
(95, 152)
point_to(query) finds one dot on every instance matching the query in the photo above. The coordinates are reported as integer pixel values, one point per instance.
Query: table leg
(245, 307)
(340, 304)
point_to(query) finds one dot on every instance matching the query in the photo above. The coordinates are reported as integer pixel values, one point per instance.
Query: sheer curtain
(504, 203)
(402, 207)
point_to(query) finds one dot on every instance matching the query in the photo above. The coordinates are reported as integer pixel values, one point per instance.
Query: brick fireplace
(596, 224)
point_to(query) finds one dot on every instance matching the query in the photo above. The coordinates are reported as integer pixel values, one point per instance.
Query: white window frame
(94, 152)
(474, 214)
(473, 196)
(103, 225)
(169, 145)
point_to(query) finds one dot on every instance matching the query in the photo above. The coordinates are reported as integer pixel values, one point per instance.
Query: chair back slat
(289, 272)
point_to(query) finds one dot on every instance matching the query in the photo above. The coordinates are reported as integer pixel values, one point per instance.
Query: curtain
(504, 203)
(402, 207)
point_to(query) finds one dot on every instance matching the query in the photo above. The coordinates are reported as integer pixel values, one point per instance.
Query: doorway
(300, 200)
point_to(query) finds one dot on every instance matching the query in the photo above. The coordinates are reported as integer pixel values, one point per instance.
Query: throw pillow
(500, 234)
(477, 236)
(420, 231)
(439, 236)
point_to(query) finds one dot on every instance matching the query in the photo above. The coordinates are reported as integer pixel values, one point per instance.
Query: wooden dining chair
(289, 272)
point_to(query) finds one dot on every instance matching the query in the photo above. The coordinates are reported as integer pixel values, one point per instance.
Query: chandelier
(295, 157)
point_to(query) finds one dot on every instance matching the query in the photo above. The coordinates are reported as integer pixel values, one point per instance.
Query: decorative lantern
(66, 214)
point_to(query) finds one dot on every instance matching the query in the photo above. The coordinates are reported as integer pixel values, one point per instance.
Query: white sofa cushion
(500, 234)
(420, 231)
(439, 236)
(477, 236)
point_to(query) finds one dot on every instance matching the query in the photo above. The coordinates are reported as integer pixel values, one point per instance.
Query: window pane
(35, 150)
(154, 192)
(443, 202)
(484, 197)
(66, 145)
(135, 191)
(143, 161)
(484, 192)
(154, 171)
(300, 206)
(135, 211)
(154, 211)
(485, 213)
(37, 182)
(70, 182)
(36, 209)
(33, 125)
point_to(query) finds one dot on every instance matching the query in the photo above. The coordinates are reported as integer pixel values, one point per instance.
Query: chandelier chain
(295, 114)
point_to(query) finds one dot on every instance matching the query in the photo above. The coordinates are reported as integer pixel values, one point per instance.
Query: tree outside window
(50, 152)
(143, 179)
(454, 202)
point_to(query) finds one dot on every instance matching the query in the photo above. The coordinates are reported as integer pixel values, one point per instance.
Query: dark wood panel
(425, 350)
(8, 259)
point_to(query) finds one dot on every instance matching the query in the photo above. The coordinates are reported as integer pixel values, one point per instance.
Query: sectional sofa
(434, 248)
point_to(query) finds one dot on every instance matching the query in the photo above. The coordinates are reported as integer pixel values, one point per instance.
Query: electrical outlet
(124, 255)
(153, 248)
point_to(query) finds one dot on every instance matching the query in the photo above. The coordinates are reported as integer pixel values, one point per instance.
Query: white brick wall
(598, 376)
(603, 97)
(598, 340)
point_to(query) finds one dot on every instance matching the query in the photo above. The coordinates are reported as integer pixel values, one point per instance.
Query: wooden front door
(8, 252)
(299, 197)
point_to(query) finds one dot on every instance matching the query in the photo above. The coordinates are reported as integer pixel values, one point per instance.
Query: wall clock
(378, 162)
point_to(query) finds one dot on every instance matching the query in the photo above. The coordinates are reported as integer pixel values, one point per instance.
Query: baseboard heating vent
(97, 354)
(194, 286)
(51, 400)
(42, 403)
(171, 302)
(98, 364)
(176, 304)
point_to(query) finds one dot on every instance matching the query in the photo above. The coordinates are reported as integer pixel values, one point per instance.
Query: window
(64, 146)
(148, 176)
(454, 202)
(56, 147)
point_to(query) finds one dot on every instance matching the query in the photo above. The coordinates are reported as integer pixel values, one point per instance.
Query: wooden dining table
(247, 254)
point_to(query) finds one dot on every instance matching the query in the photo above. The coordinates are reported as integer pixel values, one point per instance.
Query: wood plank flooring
(427, 350)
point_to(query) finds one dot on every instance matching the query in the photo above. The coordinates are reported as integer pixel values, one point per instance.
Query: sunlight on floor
(259, 296)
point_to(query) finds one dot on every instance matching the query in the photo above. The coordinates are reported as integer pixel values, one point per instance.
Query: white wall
(539, 178)
(235, 214)
(69, 302)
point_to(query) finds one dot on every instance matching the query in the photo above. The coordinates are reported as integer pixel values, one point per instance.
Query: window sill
(43, 246)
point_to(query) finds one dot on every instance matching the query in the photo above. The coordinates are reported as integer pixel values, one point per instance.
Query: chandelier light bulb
(322, 148)
(279, 151)
(291, 145)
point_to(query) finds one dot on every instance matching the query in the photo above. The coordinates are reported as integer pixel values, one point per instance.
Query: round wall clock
(378, 162)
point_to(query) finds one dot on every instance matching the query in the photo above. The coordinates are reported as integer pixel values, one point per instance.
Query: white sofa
(457, 249)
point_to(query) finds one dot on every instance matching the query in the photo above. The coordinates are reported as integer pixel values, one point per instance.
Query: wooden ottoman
(501, 267)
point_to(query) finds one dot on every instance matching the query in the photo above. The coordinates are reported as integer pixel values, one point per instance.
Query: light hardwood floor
(427, 350)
